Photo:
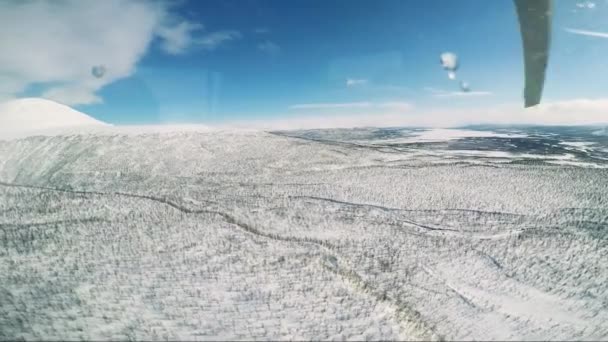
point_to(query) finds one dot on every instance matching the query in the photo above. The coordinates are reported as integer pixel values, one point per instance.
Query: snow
(577, 143)
(151, 233)
(578, 164)
(444, 134)
(500, 154)
(105, 130)
(25, 116)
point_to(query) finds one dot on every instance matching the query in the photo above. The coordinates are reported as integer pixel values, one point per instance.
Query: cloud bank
(55, 43)
(439, 93)
(566, 112)
(401, 106)
(395, 114)
(334, 115)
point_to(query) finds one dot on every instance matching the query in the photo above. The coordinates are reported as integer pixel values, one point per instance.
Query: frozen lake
(492, 233)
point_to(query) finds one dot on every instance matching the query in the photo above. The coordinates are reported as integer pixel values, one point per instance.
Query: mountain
(33, 114)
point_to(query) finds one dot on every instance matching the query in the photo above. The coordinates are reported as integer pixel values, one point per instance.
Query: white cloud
(332, 105)
(212, 40)
(57, 42)
(270, 48)
(567, 112)
(391, 114)
(351, 82)
(178, 39)
(584, 107)
(10, 86)
(452, 94)
(336, 115)
(401, 106)
(72, 94)
(587, 4)
(587, 33)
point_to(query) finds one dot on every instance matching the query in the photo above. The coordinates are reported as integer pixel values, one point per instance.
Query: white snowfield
(225, 235)
(28, 115)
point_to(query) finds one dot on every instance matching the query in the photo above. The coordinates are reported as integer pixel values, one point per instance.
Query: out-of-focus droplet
(449, 61)
(98, 71)
(465, 87)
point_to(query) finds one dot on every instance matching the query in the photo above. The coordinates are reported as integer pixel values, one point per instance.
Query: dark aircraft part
(535, 25)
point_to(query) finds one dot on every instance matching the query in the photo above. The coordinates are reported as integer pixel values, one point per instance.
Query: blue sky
(219, 61)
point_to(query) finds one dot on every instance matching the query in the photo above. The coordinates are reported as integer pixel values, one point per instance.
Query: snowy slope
(36, 114)
(207, 235)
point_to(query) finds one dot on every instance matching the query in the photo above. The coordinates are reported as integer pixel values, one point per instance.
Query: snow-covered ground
(220, 234)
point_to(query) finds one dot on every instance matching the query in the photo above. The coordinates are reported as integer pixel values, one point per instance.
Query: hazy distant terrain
(493, 233)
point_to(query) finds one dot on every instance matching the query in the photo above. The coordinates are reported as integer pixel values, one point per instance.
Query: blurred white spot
(354, 82)
(464, 86)
(449, 62)
(586, 4)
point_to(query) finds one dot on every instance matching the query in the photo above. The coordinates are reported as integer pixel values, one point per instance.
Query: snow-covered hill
(36, 114)
(225, 235)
